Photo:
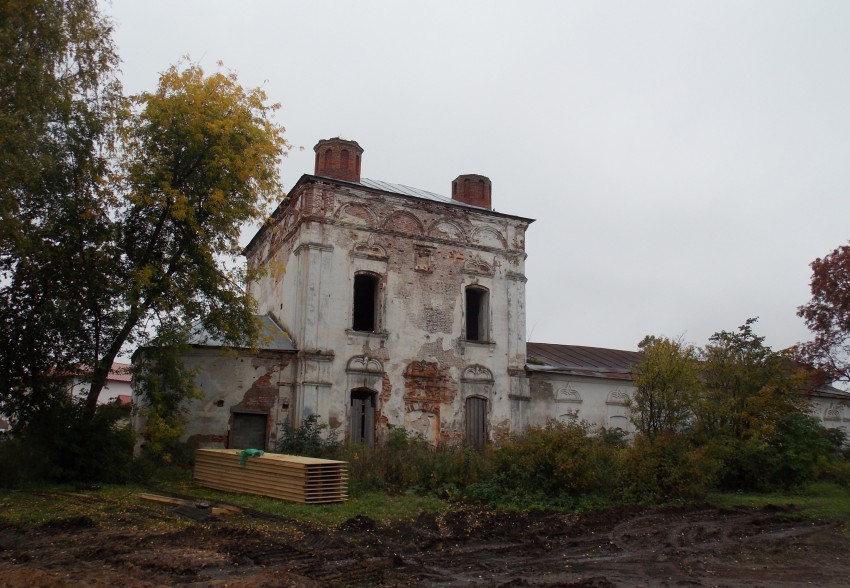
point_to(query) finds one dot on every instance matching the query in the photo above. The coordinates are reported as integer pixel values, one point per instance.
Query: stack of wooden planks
(305, 480)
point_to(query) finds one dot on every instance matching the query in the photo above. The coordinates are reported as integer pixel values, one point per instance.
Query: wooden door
(476, 422)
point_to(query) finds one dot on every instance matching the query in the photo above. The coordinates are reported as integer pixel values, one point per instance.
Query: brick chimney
(339, 159)
(472, 189)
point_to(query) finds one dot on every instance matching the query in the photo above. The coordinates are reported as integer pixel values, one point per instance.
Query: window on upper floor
(365, 311)
(477, 314)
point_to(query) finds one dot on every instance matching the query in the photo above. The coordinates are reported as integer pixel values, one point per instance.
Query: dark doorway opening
(248, 431)
(363, 417)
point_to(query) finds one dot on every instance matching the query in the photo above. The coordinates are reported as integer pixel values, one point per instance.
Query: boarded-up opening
(363, 417)
(248, 431)
(365, 303)
(476, 314)
(476, 422)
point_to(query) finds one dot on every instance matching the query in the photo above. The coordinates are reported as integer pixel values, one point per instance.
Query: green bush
(557, 464)
(562, 465)
(60, 444)
(666, 469)
(800, 451)
(403, 462)
(458, 468)
(311, 439)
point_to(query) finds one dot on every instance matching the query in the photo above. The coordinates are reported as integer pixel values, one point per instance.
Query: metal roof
(595, 362)
(381, 186)
(408, 191)
(830, 391)
(120, 372)
(272, 337)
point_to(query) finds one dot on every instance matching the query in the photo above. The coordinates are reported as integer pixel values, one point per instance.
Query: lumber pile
(293, 478)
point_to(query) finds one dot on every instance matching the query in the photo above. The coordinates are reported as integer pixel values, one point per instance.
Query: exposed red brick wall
(338, 158)
(472, 189)
(427, 385)
(424, 384)
(196, 441)
(262, 395)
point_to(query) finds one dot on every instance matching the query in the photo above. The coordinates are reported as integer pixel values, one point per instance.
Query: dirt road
(695, 546)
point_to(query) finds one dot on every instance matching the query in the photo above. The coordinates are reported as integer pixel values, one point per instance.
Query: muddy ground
(694, 546)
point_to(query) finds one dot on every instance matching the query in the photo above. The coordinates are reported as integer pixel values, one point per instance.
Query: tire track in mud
(667, 540)
(467, 546)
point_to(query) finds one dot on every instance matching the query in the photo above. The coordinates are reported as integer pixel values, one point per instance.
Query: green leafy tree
(667, 381)
(59, 106)
(749, 394)
(747, 387)
(164, 384)
(200, 159)
(827, 315)
(120, 218)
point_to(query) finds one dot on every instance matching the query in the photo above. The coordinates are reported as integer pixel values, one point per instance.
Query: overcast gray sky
(685, 161)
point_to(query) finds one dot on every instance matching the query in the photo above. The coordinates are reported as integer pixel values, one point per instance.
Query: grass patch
(64, 505)
(116, 505)
(817, 500)
(378, 506)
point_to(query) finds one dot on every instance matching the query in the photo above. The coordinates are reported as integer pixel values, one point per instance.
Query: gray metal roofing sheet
(272, 337)
(409, 191)
(387, 187)
(406, 190)
(582, 360)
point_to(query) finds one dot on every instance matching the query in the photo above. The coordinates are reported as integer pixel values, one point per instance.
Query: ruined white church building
(388, 306)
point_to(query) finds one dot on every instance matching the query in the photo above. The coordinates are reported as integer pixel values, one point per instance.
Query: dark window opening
(476, 314)
(343, 159)
(363, 417)
(365, 303)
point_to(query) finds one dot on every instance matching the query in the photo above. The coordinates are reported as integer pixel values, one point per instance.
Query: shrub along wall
(570, 466)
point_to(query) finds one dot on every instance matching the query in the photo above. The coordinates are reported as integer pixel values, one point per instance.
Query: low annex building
(389, 306)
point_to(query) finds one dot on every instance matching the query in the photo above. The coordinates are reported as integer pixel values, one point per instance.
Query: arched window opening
(343, 159)
(365, 315)
(362, 423)
(328, 158)
(477, 314)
